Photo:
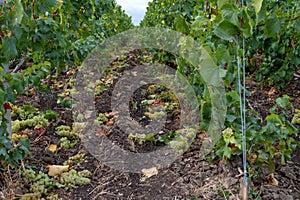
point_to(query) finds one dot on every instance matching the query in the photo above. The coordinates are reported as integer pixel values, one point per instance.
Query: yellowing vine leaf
(257, 6)
(52, 148)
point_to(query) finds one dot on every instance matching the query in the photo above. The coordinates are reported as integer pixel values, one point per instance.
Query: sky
(134, 8)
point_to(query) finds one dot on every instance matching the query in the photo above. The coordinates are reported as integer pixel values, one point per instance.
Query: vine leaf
(9, 47)
(182, 25)
(19, 13)
(272, 26)
(247, 24)
(46, 5)
(221, 3)
(257, 7)
(226, 30)
(230, 13)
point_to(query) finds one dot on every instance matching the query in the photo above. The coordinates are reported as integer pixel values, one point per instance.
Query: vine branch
(22, 60)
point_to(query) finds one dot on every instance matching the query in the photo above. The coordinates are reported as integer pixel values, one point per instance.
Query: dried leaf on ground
(111, 114)
(110, 122)
(102, 133)
(272, 91)
(272, 180)
(52, 148)
(40, 131)
(54, 170)
(150, 172)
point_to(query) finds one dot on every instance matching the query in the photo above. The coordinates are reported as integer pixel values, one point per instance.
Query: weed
(101, 119)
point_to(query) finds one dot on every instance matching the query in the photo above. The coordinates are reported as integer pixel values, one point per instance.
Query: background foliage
(41, 37)
(272, 47)
(271, 50)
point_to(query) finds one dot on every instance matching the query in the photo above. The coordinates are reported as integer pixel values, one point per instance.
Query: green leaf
(46, 5)
(3, 152)
(9, 47)
(18, 86)
(272, 26)
(17, 155)
(150, 138)
(262, 155)
(72, 145)
(230, 13)
(163, 139)
(262, 13)
(226, 30)
(50, 115)
(221, 3)
(227, 152)
(18, 31)
(2, 93)
(292, 144)
(247, 24)
(297, 26)
(230, 118)
(271, 165)
(25, 143)
(5, 142)
(182, 25)
(223, 54)
(19, 12)
(257, 7)
(284, 102)
(282, 145)
(11, 95)
(272, 116)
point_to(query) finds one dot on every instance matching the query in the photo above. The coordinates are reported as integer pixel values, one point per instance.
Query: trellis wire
(242, 94)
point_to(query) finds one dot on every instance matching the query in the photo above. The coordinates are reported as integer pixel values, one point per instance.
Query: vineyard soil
(188, 177)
